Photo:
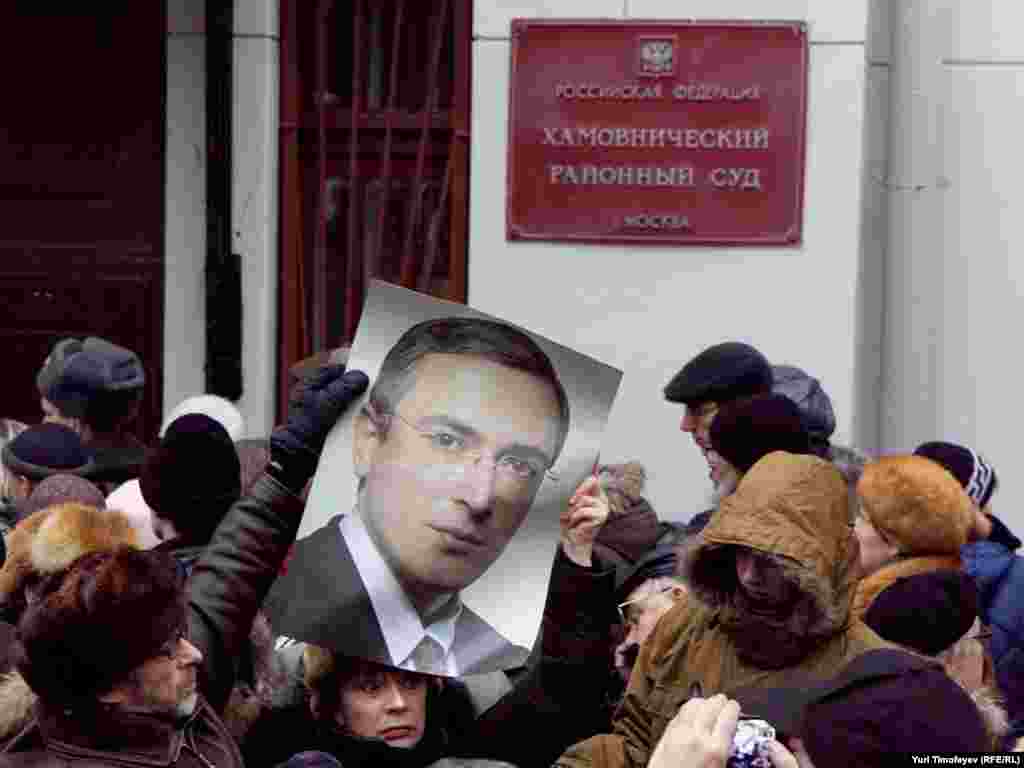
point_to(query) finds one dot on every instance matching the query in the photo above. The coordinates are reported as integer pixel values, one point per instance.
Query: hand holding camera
(708, 733)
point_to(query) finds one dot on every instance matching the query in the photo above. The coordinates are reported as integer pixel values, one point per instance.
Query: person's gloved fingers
(321, 376)
(306, 391)
(346, 388)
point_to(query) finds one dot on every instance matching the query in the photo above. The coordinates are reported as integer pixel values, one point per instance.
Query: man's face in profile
(450, 476)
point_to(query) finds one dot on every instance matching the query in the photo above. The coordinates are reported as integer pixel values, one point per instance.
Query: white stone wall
(255, 203)
(254, 197)
(648, 310)
(952, 366)
(185, 203)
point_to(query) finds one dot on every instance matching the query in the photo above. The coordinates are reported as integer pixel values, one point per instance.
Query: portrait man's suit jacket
(321, 599)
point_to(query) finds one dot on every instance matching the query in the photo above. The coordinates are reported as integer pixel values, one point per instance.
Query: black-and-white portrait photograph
(433, 519)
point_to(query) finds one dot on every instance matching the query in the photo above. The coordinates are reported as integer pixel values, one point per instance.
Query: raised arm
(234, 574)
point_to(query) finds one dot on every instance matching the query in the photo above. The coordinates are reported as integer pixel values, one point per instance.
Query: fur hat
(814, 404)
(79, 640)
(927, 612)
(47, 449)
(915, 504)
(191, 474)
(50, 540)
(101, 369)
(976, 475)
(746, 430)
(721, 373)
(54, 364)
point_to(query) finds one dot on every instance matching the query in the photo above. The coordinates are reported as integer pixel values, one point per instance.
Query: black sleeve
(231, 579)
(563, 697)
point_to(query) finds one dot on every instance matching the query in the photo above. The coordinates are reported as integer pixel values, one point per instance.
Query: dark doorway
(82, 189)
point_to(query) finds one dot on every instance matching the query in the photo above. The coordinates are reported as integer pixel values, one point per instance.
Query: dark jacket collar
(97, 731)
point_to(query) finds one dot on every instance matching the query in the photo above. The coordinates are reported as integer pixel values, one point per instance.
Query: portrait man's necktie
(429, 656)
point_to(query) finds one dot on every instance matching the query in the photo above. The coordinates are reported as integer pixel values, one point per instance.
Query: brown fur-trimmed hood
(794, 509)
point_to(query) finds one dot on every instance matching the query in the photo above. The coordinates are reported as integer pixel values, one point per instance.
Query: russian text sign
(632, 132)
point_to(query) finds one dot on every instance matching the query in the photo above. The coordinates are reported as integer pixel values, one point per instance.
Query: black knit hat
(721, 373)
(100, 369)
(883, 702)
(744, 432)
(976, 475)
(54, 364)
(658, 562)
(192, 476)
(927, 612)
(47, 449)
(85, 635)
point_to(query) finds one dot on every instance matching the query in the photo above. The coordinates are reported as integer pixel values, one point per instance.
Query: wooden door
(375, 108)
(82, 188)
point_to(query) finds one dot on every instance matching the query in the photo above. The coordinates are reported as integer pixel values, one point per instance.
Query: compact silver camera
(747, 745)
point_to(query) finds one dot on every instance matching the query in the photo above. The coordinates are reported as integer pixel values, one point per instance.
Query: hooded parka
(795, 510)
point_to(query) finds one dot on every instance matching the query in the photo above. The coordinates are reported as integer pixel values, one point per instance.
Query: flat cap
(721, 373)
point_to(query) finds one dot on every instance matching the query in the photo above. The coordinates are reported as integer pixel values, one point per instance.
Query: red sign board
(657, 132)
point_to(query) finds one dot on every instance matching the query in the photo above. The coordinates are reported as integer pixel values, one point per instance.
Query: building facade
(902, 299)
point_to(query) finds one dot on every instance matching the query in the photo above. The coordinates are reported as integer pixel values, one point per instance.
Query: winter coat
(999, 576)
(227, 586)
(795, 509)
(568, 681)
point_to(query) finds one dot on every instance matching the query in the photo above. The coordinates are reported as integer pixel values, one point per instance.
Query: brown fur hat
(78, 639)
(48, 541)
(916, 504)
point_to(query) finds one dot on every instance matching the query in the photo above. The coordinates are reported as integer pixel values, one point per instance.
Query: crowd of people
(828, 609)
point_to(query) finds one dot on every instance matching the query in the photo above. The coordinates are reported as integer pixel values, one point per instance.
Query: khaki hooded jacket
(795, 509)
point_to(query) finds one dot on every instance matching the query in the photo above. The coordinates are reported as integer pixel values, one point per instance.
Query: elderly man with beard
(746, 431)
(770, 582)
(131, 665)
(720, 374)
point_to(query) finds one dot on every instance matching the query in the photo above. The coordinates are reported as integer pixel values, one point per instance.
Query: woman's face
(875, 549)
(385, 703)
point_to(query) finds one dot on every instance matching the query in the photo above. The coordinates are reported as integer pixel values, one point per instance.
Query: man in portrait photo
(463, 424)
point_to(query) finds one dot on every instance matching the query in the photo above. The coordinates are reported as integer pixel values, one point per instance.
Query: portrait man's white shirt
(400, 623)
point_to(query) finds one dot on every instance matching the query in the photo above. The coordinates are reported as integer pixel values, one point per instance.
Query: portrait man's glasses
(453, 447)
(626, 614)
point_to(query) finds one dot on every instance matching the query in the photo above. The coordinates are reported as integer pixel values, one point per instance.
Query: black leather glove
(314, 406)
